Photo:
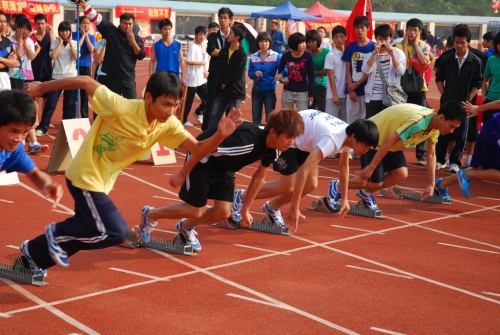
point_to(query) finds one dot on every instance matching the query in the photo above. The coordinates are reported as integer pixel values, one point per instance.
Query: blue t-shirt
(85, 55)
(17, 160)
(168, 58)
(490, 52)
(355, 55)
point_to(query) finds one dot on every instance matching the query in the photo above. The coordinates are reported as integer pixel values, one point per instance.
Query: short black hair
(165, 22)
(489, 36)
(400, 33)
(462, 32)
(200, 29)
(225, 10)
(213, 25)
(64, 26)
(313, 35)
(2, 13)
(424, 33)
(496, 42)
(83, 17)
(126, 17)
(40, 17)
(321, 27)
(415, 23)
(361, 21)
(295, 39)
(263, 36)
(453, 110)
(364, 131)
(450, 42)
(17, 107)
(164, 83)
(384, 30)
(239, 30)
(339, 30)
(23, 22)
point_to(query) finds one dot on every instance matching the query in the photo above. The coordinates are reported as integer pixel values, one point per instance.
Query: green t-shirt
(319, 65)
(245, 45)
(493, 71)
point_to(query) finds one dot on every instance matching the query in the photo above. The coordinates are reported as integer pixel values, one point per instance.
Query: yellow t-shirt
(117, 139)
(409, 121)
(425, 49)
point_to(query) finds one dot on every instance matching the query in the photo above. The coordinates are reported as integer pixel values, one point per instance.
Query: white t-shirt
(323, 131)
(64, 64)
(25, 67)
(333, 61)
(204, 45)
(325, 45)
(195, 73)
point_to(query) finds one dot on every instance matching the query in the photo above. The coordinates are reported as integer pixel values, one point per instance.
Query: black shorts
(205, 182)
(289, 161)
(392, 161)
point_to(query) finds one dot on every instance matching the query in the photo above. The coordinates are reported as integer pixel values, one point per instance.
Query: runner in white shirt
(323, 135)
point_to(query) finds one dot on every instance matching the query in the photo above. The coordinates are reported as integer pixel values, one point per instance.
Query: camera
(382, 45)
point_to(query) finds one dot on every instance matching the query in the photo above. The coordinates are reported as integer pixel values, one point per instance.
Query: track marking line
(261, 249)
(491, 293)
(160, 197)
(394, 269)
(65, 317)
(489, 198)
(252, 300)
(148, 183)
(67, 209)
(345, 227)
(12, 246)
(377, 271)
(167, 166)
(3, 315)
(385, 331)
(45, 156)
(462, 247)
(165, 231)
(429, 212)
(138, 274)
(7, 201)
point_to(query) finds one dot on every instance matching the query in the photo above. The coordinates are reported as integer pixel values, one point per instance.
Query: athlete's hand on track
(246, 218)
(55, 191)
(344, 208)
(428, 192)
(292, 219)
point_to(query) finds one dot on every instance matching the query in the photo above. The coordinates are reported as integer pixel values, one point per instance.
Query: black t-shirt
(5, 49)
(245, 146)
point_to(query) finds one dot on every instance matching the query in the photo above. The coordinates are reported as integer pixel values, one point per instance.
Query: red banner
(328, 25)
(144, 13)
(29, 7)
(361, 8)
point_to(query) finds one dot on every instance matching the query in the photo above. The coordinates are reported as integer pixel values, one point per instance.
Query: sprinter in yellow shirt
(123, 132)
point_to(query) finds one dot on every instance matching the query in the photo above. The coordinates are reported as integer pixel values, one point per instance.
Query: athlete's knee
(400, 174)
(310, 186)
(222, 214)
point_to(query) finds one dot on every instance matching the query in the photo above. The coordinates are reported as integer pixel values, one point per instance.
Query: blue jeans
(69, 107)
(260, 98)
(222, 104)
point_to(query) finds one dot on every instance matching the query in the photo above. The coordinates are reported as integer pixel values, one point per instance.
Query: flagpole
(78, 102)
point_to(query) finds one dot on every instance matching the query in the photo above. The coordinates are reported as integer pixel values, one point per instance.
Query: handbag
(412, 82)
(393, 94)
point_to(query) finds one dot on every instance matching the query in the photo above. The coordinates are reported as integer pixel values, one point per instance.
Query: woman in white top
(393, 64)
(63, 52)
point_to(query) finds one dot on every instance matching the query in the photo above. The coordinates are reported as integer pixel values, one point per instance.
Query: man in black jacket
(229, 81)
(458, 78)
(215, 42)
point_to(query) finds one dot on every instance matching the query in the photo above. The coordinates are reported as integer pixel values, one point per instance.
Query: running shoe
(421, 161)
(334, 195)
(467, 161)
(189, 235)
(274, 214)
(442, 191)
(23, 248)
(40, 132)
(59, 256)
(145, 227)
(463, 182)
(36, 148)
(237, 204)
(188, 124)
(368, 199)
(454, 168)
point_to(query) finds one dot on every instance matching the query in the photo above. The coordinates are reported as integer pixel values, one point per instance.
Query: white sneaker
(199, 118)
(188, 124)
(454, 168)
(467, 161)
(39, 133)
(447, 163)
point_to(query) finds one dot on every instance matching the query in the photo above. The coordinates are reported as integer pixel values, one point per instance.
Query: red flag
(361, 8)
(393, 24)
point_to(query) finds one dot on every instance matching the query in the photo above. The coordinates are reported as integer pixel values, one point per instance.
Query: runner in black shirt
(213, 176)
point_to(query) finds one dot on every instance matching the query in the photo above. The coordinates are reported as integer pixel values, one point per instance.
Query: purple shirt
(300, 72)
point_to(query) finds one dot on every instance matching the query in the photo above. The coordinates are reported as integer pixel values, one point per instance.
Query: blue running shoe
(145, 227)
(237, 204)
(59, 256)
(23, 248)
(463, 182)
(189, 235)
(368, 199)
(274, 214)
(334, 195)
(442, 191)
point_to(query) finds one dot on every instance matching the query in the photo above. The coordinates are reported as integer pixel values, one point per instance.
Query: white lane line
(489, 198)
(166, 231)
(437, 213)
(261, 249)
(137, 274)
(385, 331)
(150, 184)
(377, 271)
(45, 156)
(67, 209)
(7, 201)
(167, 166)
(159, 197)
(12, 246)
(491, 293)
(252, 300)
(462, 247)
(49, 308)
(344, 227)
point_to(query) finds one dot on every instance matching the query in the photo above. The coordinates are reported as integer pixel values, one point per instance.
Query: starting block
(265, 225)
(177, 246)
(358, 209)
(228, 224)
(395, 192)
(21, 272)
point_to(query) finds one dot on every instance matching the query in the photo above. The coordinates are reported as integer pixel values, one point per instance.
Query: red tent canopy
(329, 17)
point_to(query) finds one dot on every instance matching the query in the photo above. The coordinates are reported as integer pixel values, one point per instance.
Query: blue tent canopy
(285, 11)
